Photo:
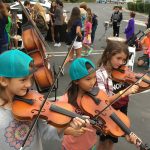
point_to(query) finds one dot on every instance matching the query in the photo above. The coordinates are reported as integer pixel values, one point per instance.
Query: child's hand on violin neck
(132, 90)
(133, 139)
(78, 123)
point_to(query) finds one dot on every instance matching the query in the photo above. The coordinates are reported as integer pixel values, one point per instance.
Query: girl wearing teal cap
(115, 55)
(83, 75)
(16, 79)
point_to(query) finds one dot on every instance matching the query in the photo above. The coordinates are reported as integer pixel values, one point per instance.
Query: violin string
(137, 82)
(46, 97)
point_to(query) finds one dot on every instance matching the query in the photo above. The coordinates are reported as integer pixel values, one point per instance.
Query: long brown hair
(3, 10)
(113, 48)
(75, 14)
(2, 89)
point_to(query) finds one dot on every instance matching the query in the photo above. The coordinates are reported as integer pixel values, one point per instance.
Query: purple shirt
(129, 30)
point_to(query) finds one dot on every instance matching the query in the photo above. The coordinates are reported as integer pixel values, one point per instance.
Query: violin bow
(119, 122)
(48, 94)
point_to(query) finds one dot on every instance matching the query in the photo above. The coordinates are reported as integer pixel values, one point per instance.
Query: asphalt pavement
(139, 105)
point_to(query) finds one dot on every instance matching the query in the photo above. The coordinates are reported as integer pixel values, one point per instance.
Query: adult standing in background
(74, 29)
(83, 10)
(3, 32)
(50, 34)
(27, 7)
(116, 19)
(39, 17)
(129, 30)
(58, 23)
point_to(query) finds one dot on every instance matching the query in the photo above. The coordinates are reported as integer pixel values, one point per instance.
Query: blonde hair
(40, 10)
(3, 10)
(83, 5)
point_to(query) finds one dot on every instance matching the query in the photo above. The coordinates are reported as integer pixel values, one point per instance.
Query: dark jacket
(129, 30)
(116, 17)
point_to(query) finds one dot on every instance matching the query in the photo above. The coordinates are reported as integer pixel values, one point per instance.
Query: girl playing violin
(83, 75)
(15, 79)
(115, 55)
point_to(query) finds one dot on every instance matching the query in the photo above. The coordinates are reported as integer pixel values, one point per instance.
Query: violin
(124, 74)
(114, 122)
(58, 114)
(35, 46)
(93, 102)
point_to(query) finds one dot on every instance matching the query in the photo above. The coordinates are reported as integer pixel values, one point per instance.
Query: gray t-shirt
(12, 134)
(58, 16)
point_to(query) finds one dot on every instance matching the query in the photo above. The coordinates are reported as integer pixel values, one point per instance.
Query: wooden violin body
(58, 114)
(35, 46)
(93, 107)
(124, 74)
(114, 122)
(43, 76)
(27, 108)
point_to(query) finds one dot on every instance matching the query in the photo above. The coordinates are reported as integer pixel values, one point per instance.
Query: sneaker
(56, 44)
(90, 51)
(62, 71)
(59, 44)
(85, 54)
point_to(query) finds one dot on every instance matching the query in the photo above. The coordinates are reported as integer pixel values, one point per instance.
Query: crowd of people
(18, 68)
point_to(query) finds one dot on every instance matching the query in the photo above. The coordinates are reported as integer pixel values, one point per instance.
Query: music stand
(107, 25)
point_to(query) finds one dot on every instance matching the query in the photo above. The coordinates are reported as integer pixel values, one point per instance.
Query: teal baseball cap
(81, 67)
(15, 64)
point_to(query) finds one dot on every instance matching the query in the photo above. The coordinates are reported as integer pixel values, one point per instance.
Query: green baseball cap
(15, 64)
(78, 68)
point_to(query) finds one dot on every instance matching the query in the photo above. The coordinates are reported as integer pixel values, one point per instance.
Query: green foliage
(147, 8)
(138, 1)
(140, 7)
(131, 6)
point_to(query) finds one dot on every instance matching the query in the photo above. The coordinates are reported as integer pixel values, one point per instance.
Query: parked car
(46, 4)
(101, 1)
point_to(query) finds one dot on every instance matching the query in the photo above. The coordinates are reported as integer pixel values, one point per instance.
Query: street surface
(139, 105)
